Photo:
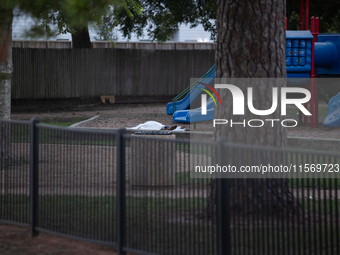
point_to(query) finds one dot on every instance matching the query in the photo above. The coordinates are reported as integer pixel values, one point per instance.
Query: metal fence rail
(135, 193)
(295, 211)
(167, 210)
(14, 172)
(77, 183)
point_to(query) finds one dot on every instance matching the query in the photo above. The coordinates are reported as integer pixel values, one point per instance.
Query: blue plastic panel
(195, 92)
(333, 115)
(298, 53)
(335, 68)
(298, 75)
(194, 115)
(299, 34)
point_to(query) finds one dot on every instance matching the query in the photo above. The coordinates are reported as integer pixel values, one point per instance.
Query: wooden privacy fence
(73, 73)
(119, 45)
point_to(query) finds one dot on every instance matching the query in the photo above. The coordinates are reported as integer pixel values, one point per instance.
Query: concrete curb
(308, 143)
(79, 124)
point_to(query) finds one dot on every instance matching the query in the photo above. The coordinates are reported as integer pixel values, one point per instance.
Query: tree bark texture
(6, 65)
(81, 38)
(251, 44)
(6, 70)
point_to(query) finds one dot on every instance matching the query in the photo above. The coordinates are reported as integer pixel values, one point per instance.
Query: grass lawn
(169, 226)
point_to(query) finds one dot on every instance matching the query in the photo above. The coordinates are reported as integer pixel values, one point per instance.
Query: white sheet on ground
(178, 128)
(149, 125)
(154, 125)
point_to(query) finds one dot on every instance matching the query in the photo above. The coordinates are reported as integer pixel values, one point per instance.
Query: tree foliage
(327, 10)
(162, 18)
(68, 14)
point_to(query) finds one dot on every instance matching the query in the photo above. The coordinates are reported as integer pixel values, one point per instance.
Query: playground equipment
(191, 93)
(298, 53)
(327, 62)
(308, 53)
(195, 115)
(333, 115)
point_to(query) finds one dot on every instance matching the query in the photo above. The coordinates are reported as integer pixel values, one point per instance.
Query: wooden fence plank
(69, 73)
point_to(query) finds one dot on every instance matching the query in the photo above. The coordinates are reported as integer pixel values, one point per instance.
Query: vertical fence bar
(121, 199)
(223, 214)
(34, 176)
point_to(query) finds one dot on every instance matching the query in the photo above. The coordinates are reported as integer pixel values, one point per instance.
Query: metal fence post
(34, 176)
(223, 213)
(121, 199)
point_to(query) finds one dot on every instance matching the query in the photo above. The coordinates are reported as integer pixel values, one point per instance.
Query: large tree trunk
(6, 66)
(81, 38)
(251, 44)
(6, 70)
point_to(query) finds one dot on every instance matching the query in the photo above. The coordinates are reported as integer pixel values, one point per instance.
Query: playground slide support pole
(312, 83)
(306, 28)
(315, 74)
(301, 15)
(306, 14)
(301, 28)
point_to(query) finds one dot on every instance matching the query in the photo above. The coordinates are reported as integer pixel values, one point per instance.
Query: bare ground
(130, 115)
(16, 240)
(119, 110)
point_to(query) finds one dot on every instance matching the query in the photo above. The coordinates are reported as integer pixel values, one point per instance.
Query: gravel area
(16, 240)
(320, 132)
(143, 114)
(130, 115)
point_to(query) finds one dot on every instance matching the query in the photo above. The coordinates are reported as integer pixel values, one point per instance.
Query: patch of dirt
(122, 110)
(130, 115)
(16, 240)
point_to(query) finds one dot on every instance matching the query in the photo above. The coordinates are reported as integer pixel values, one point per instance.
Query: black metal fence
(135, 193)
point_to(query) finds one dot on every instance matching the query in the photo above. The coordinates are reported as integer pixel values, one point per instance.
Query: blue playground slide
(190, 116)
(193, 93)
(333, 115)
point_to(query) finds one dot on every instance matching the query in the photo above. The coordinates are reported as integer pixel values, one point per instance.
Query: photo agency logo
(239, 105)
(204, 97)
